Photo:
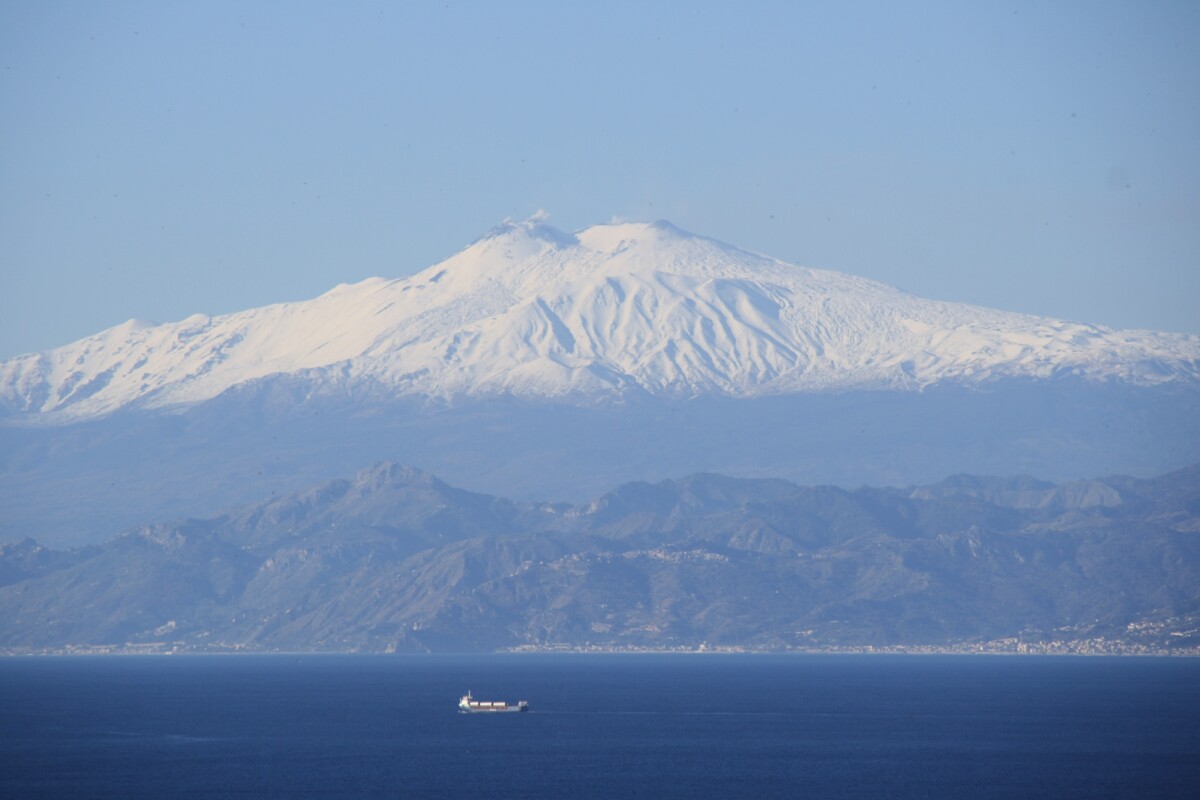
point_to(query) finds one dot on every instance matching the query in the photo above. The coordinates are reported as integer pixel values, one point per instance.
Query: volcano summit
(529, 311)
(536, 363)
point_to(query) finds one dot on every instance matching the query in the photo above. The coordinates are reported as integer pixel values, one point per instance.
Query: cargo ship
(469, 705)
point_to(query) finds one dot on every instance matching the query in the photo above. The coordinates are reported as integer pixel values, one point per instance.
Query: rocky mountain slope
(397, 560)
(530, 311)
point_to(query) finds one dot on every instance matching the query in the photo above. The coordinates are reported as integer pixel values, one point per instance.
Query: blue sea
(604, 726)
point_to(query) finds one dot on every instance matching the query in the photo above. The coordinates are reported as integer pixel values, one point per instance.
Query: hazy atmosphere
(759, 400)
(163, 159)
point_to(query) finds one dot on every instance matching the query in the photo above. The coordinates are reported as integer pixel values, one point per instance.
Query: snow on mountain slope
(529, 310)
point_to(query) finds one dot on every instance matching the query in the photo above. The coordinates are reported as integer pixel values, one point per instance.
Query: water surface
(629, 726)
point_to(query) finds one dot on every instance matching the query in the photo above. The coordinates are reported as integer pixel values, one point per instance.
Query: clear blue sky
(159, 159)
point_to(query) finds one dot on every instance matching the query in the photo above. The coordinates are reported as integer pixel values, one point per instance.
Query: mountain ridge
(396, 560)
(530, 311)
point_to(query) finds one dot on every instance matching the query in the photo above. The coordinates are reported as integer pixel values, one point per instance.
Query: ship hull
(469, 705)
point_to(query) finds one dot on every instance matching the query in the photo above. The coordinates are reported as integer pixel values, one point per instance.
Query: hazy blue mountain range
(541, 364)
(395, 559)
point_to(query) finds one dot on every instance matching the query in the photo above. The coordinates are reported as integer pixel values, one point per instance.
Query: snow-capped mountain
(530, 311)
